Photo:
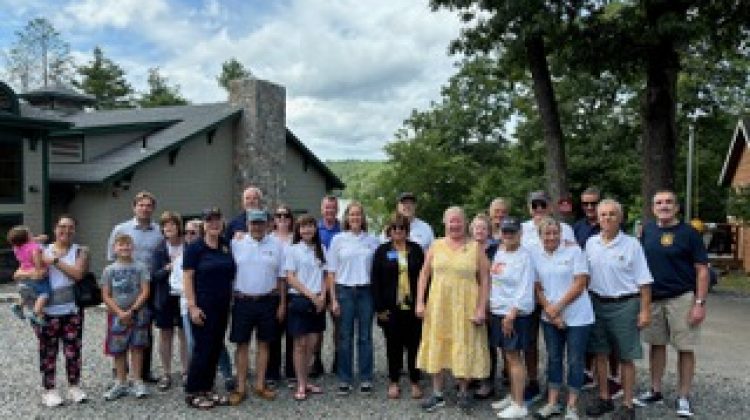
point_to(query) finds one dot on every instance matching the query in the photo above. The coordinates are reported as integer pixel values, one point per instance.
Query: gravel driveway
(720, 391)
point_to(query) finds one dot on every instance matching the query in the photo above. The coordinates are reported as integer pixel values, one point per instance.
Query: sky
(353, 69)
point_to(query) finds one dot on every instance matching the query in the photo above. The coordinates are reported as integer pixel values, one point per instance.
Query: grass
(734, 283)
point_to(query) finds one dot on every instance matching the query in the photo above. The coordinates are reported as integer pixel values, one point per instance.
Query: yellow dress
(449, 339)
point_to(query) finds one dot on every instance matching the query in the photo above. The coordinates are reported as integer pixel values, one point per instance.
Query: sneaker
(76, 395)
(683, 407)
(18, 311)
(600, 407)
(513, 411)
(548, 410)
(571, 413)
(117, 391)
(37, 321)
(647, 398)
(50, 398)
(502, 404)
(531, 394)
(464, 402)
(344, 390)
(365, 388)
(588, 380)
(432, 403)
(614, 388)
(624, 413)
(230, 384)
(139, 390)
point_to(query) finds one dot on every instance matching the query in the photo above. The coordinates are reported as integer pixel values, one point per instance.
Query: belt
(613, 299)
(356, 286)
(247, 296)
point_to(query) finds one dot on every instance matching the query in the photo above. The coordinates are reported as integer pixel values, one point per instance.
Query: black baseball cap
(510, 224)
(407, 196)
(211, 213)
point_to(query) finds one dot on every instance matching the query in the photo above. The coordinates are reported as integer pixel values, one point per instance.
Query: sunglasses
(538, 204)
(283, 215)
(398, 227)
(589, 203)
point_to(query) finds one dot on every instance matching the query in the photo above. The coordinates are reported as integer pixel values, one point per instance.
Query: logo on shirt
(497, 268)
(667, 239)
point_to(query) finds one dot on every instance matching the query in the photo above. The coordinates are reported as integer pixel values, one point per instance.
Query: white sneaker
(548, 410)
(502, 404)
(51, 398)
(139, 390)
(76, 395)
(514, 411)
(117, 391)
(683, 408)
(571, 413)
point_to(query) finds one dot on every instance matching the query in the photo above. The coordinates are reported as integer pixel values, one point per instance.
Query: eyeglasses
(191, 232)
(538, 204)
(283, 215)
(589, 203)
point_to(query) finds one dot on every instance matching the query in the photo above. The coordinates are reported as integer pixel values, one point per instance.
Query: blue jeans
(355, 303)
(225, 363)
(573, 341)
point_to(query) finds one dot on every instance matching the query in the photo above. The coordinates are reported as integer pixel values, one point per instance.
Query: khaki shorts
(669, 323)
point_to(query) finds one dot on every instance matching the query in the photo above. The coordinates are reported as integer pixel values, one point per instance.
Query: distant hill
(352, 169)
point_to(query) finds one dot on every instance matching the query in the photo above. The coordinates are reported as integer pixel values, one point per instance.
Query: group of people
(451, 305)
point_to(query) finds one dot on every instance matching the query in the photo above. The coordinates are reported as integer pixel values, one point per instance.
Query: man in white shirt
(259, 300)
(620, 289)
(146, 236)
(419, 231)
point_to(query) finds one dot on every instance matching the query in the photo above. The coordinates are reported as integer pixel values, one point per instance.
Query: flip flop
(394, 392)
(314, 389)
(220, 400)
(300, 396)
(200, 402)
(236, 397)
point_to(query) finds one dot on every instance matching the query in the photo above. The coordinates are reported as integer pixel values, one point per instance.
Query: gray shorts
(616, 328)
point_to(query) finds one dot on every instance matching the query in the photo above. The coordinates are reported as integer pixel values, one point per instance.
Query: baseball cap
(538, 196)
(211, 213)
(406, 196)
(510, 224)
(257, 216)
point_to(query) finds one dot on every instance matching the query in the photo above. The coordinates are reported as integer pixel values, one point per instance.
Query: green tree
(232, 70)
(39, 56)
(160, 93)
(105, 80)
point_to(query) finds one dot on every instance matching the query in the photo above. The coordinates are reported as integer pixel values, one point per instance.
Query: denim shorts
(32, 289)
(121, 337)
(519, 340)
(249, 314)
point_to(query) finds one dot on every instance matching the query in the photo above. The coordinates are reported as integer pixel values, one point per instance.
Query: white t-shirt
(512, 282)
(617, 268)
(555, 273)
(259, 264)
(530, 235)
(350, 257)
(301, 260)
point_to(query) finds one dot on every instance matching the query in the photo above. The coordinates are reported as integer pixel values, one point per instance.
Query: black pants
(208, 341)
(403, 331)
(274, 355)
(493, 358)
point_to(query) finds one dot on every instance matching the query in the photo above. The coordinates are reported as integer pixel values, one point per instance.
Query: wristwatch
(700, 302)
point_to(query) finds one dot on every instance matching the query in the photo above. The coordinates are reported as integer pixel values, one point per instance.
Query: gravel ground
(720, 389)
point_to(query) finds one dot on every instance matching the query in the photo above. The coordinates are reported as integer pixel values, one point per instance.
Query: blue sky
(353, 69)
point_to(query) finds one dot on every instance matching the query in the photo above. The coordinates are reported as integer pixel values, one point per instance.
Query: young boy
(34, 292)
(125, 289)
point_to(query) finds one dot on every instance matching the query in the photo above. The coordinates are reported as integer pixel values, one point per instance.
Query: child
(37, 288)
(305, 265)
(125, 289)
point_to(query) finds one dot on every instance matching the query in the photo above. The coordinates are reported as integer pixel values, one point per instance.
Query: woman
(208, 273)
(454, 336)
(562, 275)
(282, 231)
(166, 300)
(511, 304)
(306, 319)
(349, 265)
(67, 263)
(395, 272)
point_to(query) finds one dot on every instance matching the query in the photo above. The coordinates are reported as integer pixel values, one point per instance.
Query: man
(499, 210)
(328, 225)
(419, 231)
(539, 208)
(146, 236)
(259, 301)
(251, 200)
(678, 261)
(584, 229)
(620, 289)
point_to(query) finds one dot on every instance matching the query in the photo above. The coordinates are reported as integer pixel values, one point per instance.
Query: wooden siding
(305, 185)
(741, 176)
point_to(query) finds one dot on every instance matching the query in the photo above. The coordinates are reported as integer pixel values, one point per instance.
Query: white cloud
(116, 13)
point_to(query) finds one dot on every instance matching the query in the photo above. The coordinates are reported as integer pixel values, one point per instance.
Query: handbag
(87, 291)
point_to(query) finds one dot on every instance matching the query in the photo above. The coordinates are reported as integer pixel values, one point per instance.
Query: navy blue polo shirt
(326, 234)
(671, 253)
(238, 224)
(214, 269)
(583, 230)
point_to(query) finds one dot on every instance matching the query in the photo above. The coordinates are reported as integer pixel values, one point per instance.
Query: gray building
(91, 163)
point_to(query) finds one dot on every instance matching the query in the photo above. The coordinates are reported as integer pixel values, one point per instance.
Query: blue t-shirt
(214, 269)
(583, 230)
(671, 253)
(326, 234)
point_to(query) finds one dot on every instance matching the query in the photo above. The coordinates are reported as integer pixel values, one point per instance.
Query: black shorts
(302, 318)
(168, 316)
(249, 314)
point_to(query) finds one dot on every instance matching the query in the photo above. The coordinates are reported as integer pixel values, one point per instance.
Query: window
(11, 170)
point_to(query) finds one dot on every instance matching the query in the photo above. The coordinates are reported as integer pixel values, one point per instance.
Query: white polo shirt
(259, 264)
(350, 257)
(617, 268)
(145, 241)
(512, 282)
(530, 235)
(555, 273)
(301, 260)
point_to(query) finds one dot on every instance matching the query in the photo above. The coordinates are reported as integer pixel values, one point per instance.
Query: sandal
(201, 402)
(220, 400)
(265, 393)
(416, 392)
(165, 382)
(314, 389)
(300, 396)
(394, 392)
(236, 397)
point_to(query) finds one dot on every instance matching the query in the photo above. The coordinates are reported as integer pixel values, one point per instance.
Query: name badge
(392, 255)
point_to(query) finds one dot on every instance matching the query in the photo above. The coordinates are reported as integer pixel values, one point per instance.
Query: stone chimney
(260, 139)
